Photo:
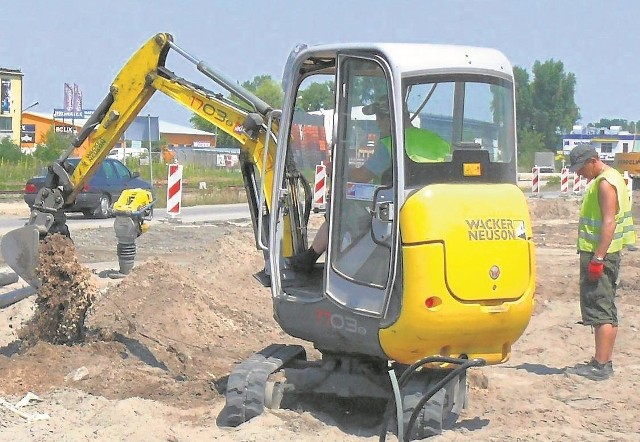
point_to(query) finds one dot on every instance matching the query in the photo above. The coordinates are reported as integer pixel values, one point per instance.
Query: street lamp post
(30, 106)
(150, 154)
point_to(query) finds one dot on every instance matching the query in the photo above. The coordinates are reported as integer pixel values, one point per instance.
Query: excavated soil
(152, 357)
(66, 293)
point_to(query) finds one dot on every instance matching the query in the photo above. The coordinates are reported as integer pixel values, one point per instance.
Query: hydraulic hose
(455, 372)
(398, 400)
(406, 375)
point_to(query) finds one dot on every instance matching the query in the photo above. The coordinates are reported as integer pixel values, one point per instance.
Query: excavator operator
(422, 145)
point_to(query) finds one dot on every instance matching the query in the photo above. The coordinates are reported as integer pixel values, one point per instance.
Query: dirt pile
(168, 331)
(66, 293)
(171, 319)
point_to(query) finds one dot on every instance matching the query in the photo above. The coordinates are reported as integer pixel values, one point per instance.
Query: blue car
(102, 190)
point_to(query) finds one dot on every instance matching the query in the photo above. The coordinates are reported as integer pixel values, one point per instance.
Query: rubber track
(430, 419)
(246, 384)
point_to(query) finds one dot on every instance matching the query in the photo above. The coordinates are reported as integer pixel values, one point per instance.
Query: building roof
(172, 128)
(8, 71)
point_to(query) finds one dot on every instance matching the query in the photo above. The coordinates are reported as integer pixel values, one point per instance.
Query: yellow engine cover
(468, 273)
(132, 200)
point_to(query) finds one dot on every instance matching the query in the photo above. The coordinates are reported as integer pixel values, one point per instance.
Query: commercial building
(38, 124)
(11, 103)
(608, 140)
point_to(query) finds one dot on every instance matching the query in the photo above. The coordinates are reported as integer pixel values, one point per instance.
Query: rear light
(432, 302)
(85, 188)
(30, 188)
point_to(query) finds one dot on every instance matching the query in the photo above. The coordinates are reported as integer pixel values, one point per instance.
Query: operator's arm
(608, 200)
(361, 174)
(374, 167)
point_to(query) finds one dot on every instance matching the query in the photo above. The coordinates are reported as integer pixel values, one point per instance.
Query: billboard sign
(66, 130)
(62, 113)
(143, 129)
(28, 133)
(83, 114)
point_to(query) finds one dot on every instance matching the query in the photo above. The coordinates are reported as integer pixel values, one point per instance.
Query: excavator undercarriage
(429, 400)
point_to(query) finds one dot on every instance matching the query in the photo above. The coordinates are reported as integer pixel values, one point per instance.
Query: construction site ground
(162, 341)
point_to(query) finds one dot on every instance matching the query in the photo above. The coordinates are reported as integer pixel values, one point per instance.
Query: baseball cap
(580, 155)
(379, 106)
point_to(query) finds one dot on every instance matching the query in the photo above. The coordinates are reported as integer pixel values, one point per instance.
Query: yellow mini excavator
(429, 268)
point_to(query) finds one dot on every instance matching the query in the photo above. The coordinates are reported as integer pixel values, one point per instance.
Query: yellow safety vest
(422, 146)
(590, 225)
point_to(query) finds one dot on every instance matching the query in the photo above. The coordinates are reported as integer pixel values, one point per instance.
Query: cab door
(363, 213)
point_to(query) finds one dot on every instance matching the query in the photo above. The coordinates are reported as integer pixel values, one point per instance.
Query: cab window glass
(464, 113)
(446, 113)
(366, 149)
(310, 134)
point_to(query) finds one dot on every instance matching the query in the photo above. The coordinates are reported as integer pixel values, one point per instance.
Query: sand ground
(192, 303)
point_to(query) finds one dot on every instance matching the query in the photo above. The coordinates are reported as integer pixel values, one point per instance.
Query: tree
(317, 96)
(553, 105)
(529, 143)
(524, 100)
(269, 90)
(546, 105)
(54, 145)
(9, 150)
(608, 122)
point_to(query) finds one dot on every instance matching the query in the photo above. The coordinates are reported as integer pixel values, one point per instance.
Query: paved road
(222, 212)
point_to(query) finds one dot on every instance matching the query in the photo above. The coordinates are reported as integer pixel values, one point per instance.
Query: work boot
(593, 370)
(304, 261)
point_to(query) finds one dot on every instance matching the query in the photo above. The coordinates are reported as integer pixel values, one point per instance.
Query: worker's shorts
(597, 298)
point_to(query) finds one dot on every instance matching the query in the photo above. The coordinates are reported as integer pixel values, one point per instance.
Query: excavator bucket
(20, 249)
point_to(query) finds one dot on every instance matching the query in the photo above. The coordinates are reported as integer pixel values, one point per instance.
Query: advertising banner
(68, 98)
(77, 98)
(5, 93)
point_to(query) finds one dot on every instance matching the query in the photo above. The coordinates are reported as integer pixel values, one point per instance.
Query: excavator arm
(253, 123)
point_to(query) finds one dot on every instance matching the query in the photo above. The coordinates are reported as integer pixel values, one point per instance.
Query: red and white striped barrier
(535, 182)
(174, 190)
(577, 183)
(564, 180)
(320, 188)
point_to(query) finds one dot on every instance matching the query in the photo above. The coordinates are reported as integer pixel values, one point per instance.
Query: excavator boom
(252, 123)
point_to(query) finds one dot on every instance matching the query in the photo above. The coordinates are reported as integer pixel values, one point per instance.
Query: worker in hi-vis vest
(605, 228)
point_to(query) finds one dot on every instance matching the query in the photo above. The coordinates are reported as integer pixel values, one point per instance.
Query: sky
(87, 42)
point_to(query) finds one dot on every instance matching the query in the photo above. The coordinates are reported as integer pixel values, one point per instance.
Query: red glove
(595, 270)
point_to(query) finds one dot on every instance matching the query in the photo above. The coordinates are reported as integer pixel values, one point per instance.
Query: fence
(214, 158)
